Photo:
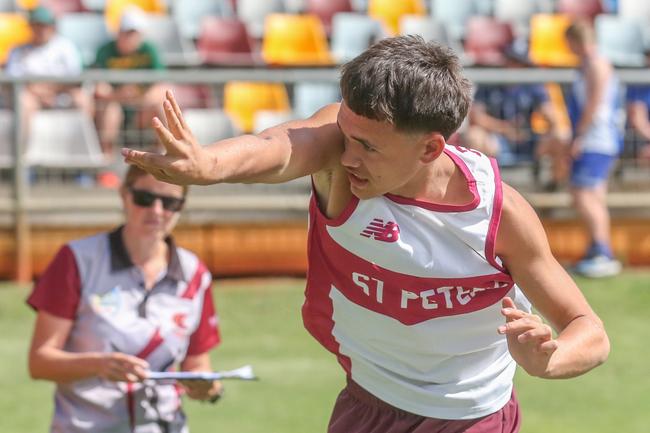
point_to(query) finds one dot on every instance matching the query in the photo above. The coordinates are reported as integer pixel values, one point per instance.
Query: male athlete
(419, 256)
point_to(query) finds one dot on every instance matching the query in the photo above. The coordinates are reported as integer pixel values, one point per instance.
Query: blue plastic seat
(188, 14)
(454, 14)
(308, 97)
(352, 33)
(254, 12)
(87, 31)
(620, 40)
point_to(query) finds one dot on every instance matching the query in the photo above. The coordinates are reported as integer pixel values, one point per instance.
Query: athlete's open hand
(185, 162)
(530, 341)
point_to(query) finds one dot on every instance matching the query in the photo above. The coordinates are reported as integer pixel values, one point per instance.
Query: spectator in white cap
(133, 105)
(47, 53)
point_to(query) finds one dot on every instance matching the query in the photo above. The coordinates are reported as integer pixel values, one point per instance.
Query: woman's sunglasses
(146, 199)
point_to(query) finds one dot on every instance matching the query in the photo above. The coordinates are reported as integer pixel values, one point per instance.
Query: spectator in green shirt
(134, 103)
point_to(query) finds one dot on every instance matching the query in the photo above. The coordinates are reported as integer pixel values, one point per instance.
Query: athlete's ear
(434, 144)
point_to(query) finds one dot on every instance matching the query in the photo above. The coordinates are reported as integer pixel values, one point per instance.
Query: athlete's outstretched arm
(581, 342)
(278, 154)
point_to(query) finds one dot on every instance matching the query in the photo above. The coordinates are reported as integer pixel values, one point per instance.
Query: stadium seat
(517, 13)
(429, 28)
(193, 95)
(27, 4)
(6, 138)
(254, 12)
(295, 6)
(242, 99)
(114, 8)
(265, 119)
(352, 33)
(635, 9)
(225, 41)
(88, 32)
(62, 7)
(7, 6)
(161, 30)
(587, 9)
(94, 5)
(390, 11)
(291, 39)
(209, 125)
(189, 14)
(14, 30)
(548, 46)
(63, 139)
(454, 14)
(620, 40)
(309, 97)
(325, 10)
(486, 40)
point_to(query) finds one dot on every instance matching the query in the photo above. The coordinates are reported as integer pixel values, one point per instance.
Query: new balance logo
(377, 230)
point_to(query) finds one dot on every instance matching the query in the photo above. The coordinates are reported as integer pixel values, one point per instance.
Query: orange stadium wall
(280, 249)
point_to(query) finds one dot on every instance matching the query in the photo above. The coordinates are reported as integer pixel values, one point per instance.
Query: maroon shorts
(358, 411)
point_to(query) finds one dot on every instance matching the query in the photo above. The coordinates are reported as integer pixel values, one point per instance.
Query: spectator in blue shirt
(638, 115)
(500, 118)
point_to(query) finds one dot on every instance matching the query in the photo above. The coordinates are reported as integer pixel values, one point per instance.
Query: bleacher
(219, 52)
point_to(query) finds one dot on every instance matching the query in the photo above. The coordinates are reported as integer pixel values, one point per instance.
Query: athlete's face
(148, 214)
(379, 159)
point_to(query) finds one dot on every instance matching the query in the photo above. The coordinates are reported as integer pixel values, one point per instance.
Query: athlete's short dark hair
(417, 86)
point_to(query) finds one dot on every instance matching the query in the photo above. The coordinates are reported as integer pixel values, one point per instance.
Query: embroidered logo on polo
(381, 231)
(107, 303)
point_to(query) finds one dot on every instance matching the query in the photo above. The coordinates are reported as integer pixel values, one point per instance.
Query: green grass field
(260, 322)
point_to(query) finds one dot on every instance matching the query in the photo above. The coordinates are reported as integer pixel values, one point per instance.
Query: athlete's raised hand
(530, 341)
(185, 162)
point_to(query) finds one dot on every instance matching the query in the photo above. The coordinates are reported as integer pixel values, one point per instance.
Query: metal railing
(21, 203)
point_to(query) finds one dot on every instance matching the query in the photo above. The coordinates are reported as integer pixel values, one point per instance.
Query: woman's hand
(120, 367)
(203, 389)
(530, 341)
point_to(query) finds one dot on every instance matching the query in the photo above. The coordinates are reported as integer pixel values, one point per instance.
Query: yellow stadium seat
(295, 39)
(14, 30)
(27, 4)
(548, 46)
(114, 8)
(390, 11)
(242, 100)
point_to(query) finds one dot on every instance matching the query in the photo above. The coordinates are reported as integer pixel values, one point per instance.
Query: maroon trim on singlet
(195, 282)
(317, 309)
(58, 290)
(471, 184)
(490, 242)
(333, 222)
(451, 296)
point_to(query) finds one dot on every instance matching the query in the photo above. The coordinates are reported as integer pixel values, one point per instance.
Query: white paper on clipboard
(242, 373)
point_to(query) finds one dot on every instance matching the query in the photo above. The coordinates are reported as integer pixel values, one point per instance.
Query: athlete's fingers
(173, 124)
(177, 110)
(171, 144)
(548, 347)
(538, 335)
(148, 161)
(519, 326)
